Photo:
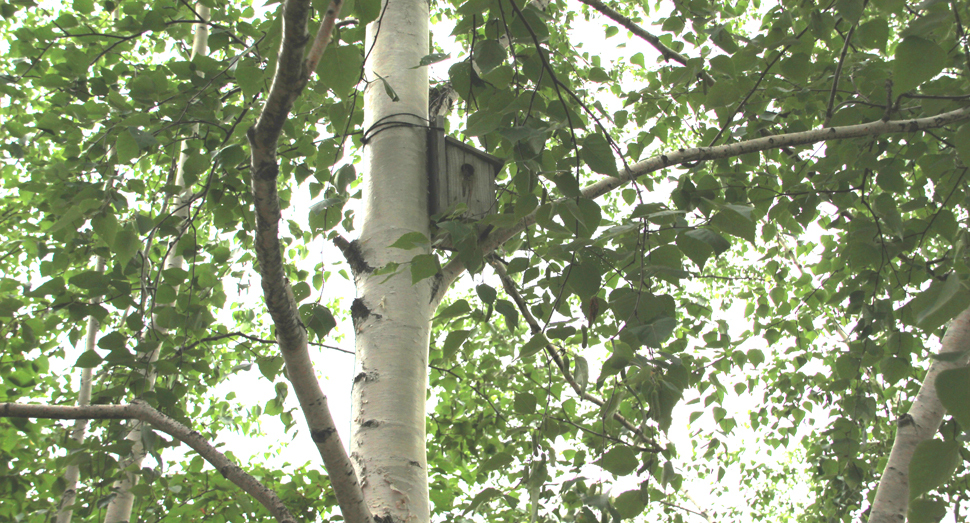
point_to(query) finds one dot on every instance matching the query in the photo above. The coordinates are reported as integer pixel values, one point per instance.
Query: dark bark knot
(370, 424)
(358, 312)
(351, 252)
(365, 376)
(321, 436)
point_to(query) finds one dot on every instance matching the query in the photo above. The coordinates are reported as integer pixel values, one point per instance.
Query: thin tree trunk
(392, 315)
(919, 424)
(120, 506)
(72, 473)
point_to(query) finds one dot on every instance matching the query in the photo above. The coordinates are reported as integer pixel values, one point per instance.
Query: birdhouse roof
(484, 156)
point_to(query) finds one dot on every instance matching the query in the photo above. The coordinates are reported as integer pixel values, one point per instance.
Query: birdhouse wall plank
(460, 173)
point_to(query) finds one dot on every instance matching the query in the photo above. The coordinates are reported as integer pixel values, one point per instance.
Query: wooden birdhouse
(460, 173)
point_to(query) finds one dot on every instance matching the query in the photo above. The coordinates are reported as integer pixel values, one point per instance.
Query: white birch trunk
(120, 506)
(919, 424)
(72, 473)
(392, 316)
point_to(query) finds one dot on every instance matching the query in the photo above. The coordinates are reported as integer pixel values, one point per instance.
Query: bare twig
(835, 78)
(666, 52)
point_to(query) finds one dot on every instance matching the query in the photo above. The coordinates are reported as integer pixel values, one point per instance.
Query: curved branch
(139, 410)
(453, 269)
(291, 77)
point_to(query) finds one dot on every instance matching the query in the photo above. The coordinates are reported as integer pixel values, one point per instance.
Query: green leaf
(597, 74)
(489, 54)
(88, 360)
(534, 345)
(423, 266)
(722, 93)
(411, 240)
(499, 461)
(933, 463)
(584, 279)
(367, 10)
(486, 293)
(654, 333)
(962, 142)
(318, 319)
(113, 341)
(432, 58)
(926, 511)
(953, 389)
(340, 68)
(525, 403)
(453, 342)
(581, 372)
(938, 304)
(249, 78)
(598, 154)
(481, 498)
(734, 222)
(126, 244)
(90, 280)
(456, 309)
(508, 310)
(850, 10)
(483, 122)
(629, 504)
(620, 460)
(916, 61)
(126, 147)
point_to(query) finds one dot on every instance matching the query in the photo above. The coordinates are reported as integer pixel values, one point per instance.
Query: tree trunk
(392, 315)
(120, 506)
(72, 473)
(918, 425)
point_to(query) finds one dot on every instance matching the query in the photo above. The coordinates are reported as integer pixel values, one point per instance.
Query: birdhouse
(460, 173)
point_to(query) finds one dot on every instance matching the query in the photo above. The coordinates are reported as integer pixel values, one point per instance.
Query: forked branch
(292, 74)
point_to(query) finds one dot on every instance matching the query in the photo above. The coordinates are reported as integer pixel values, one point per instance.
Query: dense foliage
(847, 257)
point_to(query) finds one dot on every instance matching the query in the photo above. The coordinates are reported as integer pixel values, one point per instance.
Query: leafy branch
(292, 75)
(510, 288)
(454, 268)
(630, 25)
(139, 410)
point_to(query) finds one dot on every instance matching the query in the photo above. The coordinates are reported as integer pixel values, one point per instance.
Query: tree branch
(139, 410)
(291, 77)
(835, 77)
(918, 425)
(323, 37)
(553, 353)
(454, 268)
(666, 52)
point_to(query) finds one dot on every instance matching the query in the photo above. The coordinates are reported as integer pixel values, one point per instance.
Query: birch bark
(919, 424)
(120, 506)
(392, 315)
(72, 473)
